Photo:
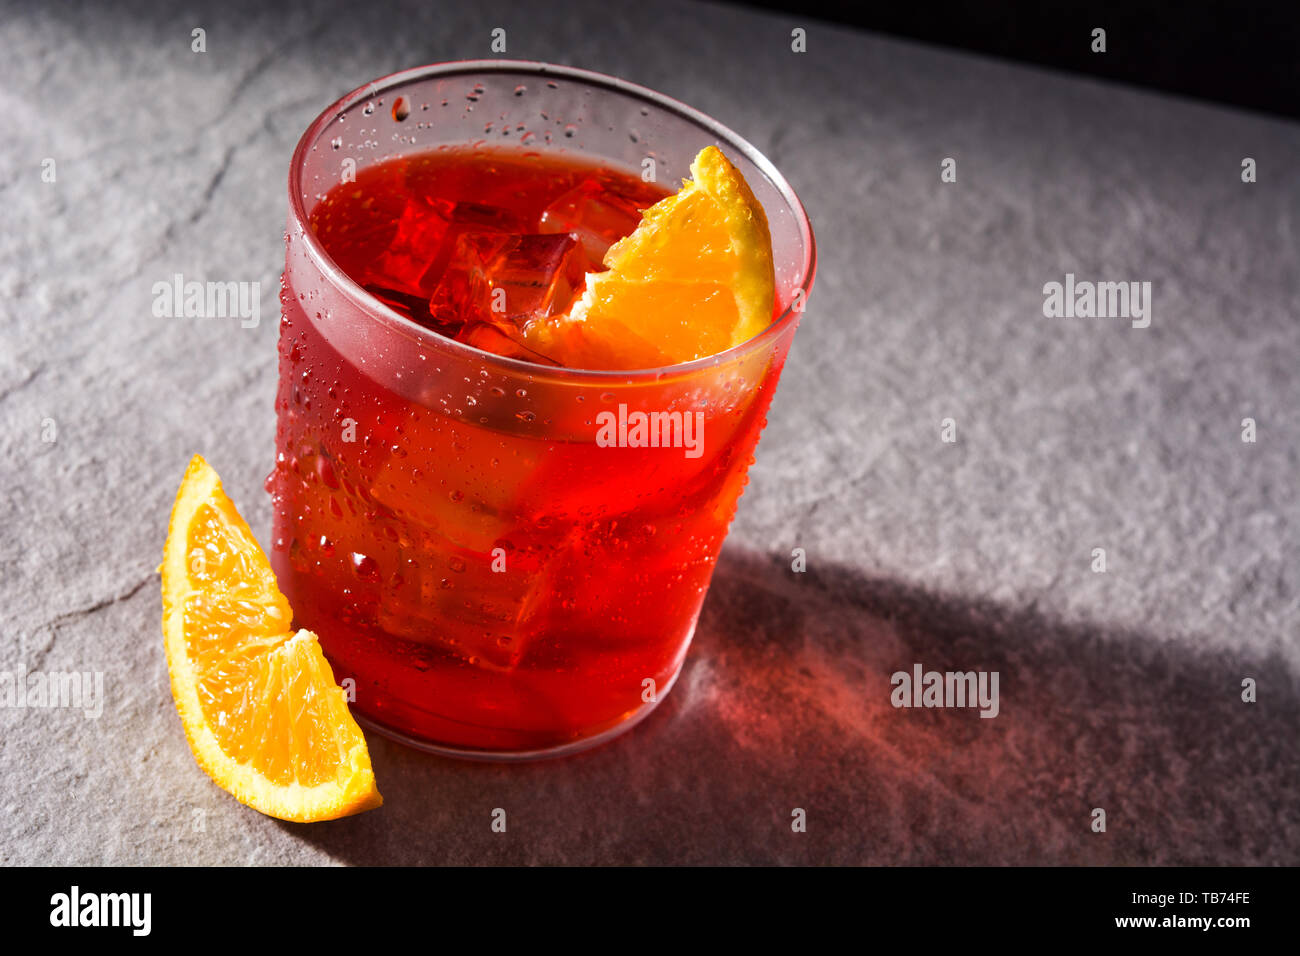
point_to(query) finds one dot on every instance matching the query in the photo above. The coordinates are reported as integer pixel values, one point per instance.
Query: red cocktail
(506, 556)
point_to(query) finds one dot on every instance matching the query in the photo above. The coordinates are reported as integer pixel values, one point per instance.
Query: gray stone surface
(1119, 690)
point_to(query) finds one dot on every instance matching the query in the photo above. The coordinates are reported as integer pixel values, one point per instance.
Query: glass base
(515, 756)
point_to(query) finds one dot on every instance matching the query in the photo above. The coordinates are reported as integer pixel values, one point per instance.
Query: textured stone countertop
(1119, 690)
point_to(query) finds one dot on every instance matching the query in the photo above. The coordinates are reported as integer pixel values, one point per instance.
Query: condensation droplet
(364, 566)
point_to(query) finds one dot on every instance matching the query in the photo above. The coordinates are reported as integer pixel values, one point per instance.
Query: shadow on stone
(784, 703)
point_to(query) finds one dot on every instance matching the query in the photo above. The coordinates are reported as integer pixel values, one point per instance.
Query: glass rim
(378, 310)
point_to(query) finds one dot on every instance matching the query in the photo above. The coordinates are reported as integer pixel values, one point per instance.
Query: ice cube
(421, 235)
(539, 275)
(468, 612)
(461, 296)
(480, 217)
(490, 338)
(593, 213)
(464, 218)
(508, 280)
(412, 306)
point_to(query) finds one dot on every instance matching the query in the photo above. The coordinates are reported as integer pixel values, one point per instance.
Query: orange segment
(262, 713)
(695, 278)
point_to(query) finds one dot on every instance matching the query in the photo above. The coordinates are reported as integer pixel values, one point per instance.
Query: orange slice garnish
(695, 278)
(262, 713)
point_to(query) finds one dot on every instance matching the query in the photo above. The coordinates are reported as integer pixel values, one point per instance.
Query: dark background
(1245, 54)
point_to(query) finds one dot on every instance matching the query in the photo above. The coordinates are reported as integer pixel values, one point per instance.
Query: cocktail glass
(489, 574)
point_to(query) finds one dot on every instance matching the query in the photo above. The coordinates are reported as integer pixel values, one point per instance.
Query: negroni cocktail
(502, 483)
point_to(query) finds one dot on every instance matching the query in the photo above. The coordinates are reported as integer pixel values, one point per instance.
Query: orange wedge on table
(261, 710)
(695, 278)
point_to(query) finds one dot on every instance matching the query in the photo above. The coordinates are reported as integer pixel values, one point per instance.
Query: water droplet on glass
(364, 566)
(326, 472)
